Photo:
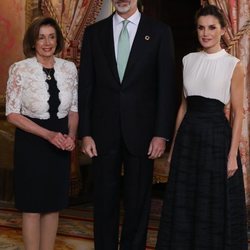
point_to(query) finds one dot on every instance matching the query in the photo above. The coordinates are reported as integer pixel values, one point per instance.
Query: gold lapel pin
(147, 38)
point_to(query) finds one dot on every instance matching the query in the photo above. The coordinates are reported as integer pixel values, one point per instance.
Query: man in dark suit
(125, 120)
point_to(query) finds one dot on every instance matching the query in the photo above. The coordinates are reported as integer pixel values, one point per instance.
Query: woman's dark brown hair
(32, 34)
(211, 10)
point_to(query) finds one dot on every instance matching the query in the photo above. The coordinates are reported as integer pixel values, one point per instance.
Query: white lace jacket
(27, 90)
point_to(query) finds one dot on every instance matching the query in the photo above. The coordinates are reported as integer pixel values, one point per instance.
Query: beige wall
(12, 26)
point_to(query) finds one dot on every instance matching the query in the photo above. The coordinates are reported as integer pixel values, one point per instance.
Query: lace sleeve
(74, 105)
(13, 91)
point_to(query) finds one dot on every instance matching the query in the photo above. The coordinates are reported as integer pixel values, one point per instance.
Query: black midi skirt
(41, 171)
(203, 209)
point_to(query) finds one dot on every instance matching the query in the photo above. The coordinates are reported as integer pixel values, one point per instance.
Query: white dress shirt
(132, 27)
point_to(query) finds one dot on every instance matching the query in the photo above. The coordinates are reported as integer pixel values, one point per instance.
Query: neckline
(54, 62)
(48, 68)
(49, 72)
(214, 55)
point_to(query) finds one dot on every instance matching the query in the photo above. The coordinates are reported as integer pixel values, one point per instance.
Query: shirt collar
(135, 18)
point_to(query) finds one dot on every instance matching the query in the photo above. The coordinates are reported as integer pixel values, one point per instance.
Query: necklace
(48, 76)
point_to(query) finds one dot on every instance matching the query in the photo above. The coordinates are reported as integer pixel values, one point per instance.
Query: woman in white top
(204, 206)
(41, 101)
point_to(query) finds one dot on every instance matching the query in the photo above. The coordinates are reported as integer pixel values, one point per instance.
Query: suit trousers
(137, 185)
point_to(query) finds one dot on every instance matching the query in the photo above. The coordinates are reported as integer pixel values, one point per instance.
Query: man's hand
(156, 147)
(88, 146)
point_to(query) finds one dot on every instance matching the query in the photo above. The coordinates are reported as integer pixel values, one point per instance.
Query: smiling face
(209, 32)
(46, 42)
(125, 8)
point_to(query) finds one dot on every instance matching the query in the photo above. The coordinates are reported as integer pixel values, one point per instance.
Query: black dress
(41, 171)
(203, 209)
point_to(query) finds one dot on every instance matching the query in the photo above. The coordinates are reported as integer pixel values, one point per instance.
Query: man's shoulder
(153, 21)
(99, 24)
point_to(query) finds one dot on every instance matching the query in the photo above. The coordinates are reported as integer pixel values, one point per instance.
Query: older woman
(41, 101)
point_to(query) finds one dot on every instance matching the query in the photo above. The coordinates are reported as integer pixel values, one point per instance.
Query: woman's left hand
(69, 143)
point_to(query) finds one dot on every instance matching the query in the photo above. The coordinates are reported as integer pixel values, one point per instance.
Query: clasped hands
(62, 141)
(156, 147)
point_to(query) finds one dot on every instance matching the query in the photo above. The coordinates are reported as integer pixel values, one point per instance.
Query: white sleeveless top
(208, 75)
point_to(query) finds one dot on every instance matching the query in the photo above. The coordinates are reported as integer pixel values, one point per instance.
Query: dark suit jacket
(140, 107)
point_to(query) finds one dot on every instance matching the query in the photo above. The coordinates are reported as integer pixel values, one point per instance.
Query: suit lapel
(107, 40)
(138, 47)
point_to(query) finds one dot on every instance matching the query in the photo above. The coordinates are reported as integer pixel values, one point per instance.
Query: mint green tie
(123, 50)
